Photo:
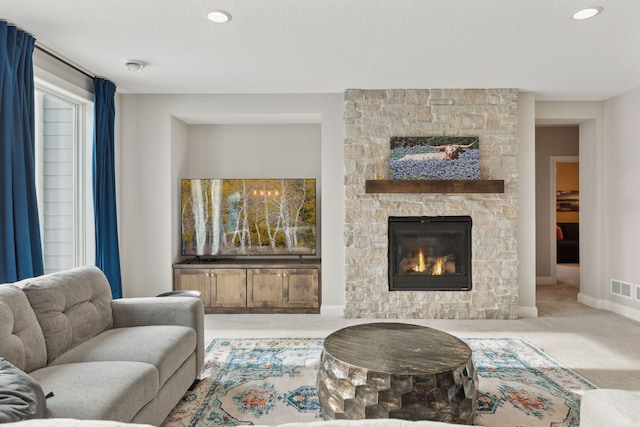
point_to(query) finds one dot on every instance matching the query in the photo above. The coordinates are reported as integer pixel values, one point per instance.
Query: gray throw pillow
(21, 397)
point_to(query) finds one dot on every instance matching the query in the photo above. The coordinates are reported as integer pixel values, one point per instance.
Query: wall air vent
(615, 287)
(623, 289)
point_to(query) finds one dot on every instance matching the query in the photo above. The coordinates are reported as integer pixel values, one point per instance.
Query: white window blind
(63, 186)
(58, 126)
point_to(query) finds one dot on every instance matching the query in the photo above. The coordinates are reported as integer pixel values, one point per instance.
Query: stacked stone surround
(372, 117)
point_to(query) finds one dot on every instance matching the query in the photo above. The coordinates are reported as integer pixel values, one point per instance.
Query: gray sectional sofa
(127, 360)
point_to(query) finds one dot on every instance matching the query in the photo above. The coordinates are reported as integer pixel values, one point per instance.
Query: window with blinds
(58, 143)
(62, 181)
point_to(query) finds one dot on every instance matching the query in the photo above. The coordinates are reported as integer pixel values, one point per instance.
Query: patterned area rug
(522, 386)
(272, 381)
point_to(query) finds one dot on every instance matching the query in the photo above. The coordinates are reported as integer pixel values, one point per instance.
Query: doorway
(565, 177)
(554, 144)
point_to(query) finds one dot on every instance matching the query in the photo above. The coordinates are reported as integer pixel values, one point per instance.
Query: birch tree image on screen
(200, 210)
(249, 216)
(201, 216)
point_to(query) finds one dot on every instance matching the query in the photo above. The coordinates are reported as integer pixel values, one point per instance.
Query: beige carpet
(600, 345)
(568, 274)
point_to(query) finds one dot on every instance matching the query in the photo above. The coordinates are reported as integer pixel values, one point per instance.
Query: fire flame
(436, 270)
(438, 267)
(421, 264)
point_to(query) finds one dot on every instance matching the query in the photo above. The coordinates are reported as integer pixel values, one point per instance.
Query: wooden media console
(252, 286)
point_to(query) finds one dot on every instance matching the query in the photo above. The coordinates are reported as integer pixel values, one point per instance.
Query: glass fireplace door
(430, 253)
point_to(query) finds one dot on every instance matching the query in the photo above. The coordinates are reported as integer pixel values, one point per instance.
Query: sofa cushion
(21, 397)
(71, 306)
(21, 340)
(166, 347)
(98, 390)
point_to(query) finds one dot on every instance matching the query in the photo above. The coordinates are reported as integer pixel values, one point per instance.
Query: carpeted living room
(594, 344)
(318, 213)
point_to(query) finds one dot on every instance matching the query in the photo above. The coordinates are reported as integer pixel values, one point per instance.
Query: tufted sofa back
(21, 339)
(71, 307)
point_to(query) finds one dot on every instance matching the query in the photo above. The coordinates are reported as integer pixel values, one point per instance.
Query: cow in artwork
(445, 152)
(453, 151)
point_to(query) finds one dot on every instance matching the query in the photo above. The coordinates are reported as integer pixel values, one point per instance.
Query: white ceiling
(327, 46)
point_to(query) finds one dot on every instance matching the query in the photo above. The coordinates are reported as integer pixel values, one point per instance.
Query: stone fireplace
(372, 117)
(429, 253)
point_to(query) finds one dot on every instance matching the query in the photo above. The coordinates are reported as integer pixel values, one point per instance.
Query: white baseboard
(527, 312)
(623, 310)
(544, 280)
(600, 304)
(332, 310)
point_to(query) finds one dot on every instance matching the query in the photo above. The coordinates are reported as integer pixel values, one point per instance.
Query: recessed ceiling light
(219, 16)
(587, 13)
(135, 65)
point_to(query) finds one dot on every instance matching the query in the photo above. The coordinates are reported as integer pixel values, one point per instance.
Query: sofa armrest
(180, 311)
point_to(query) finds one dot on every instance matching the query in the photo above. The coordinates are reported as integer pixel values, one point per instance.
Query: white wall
(152, 157)
(179, 169)
(622, 199)
(526, 206)
(254, 151)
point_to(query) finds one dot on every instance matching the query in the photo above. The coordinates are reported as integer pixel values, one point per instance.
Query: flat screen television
(238, 217)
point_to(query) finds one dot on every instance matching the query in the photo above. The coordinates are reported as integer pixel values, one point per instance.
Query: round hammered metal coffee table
(397, 370)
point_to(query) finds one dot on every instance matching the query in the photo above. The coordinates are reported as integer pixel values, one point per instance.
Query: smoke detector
(134, 65)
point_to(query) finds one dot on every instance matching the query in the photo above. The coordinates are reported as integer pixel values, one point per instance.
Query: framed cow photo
(434, 157)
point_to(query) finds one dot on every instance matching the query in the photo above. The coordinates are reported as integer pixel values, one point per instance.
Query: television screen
(223, 217)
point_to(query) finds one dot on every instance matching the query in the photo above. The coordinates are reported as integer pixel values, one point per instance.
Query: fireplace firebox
(430, 253)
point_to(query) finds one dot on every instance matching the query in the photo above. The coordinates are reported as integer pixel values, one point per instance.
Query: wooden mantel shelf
(434, 186)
